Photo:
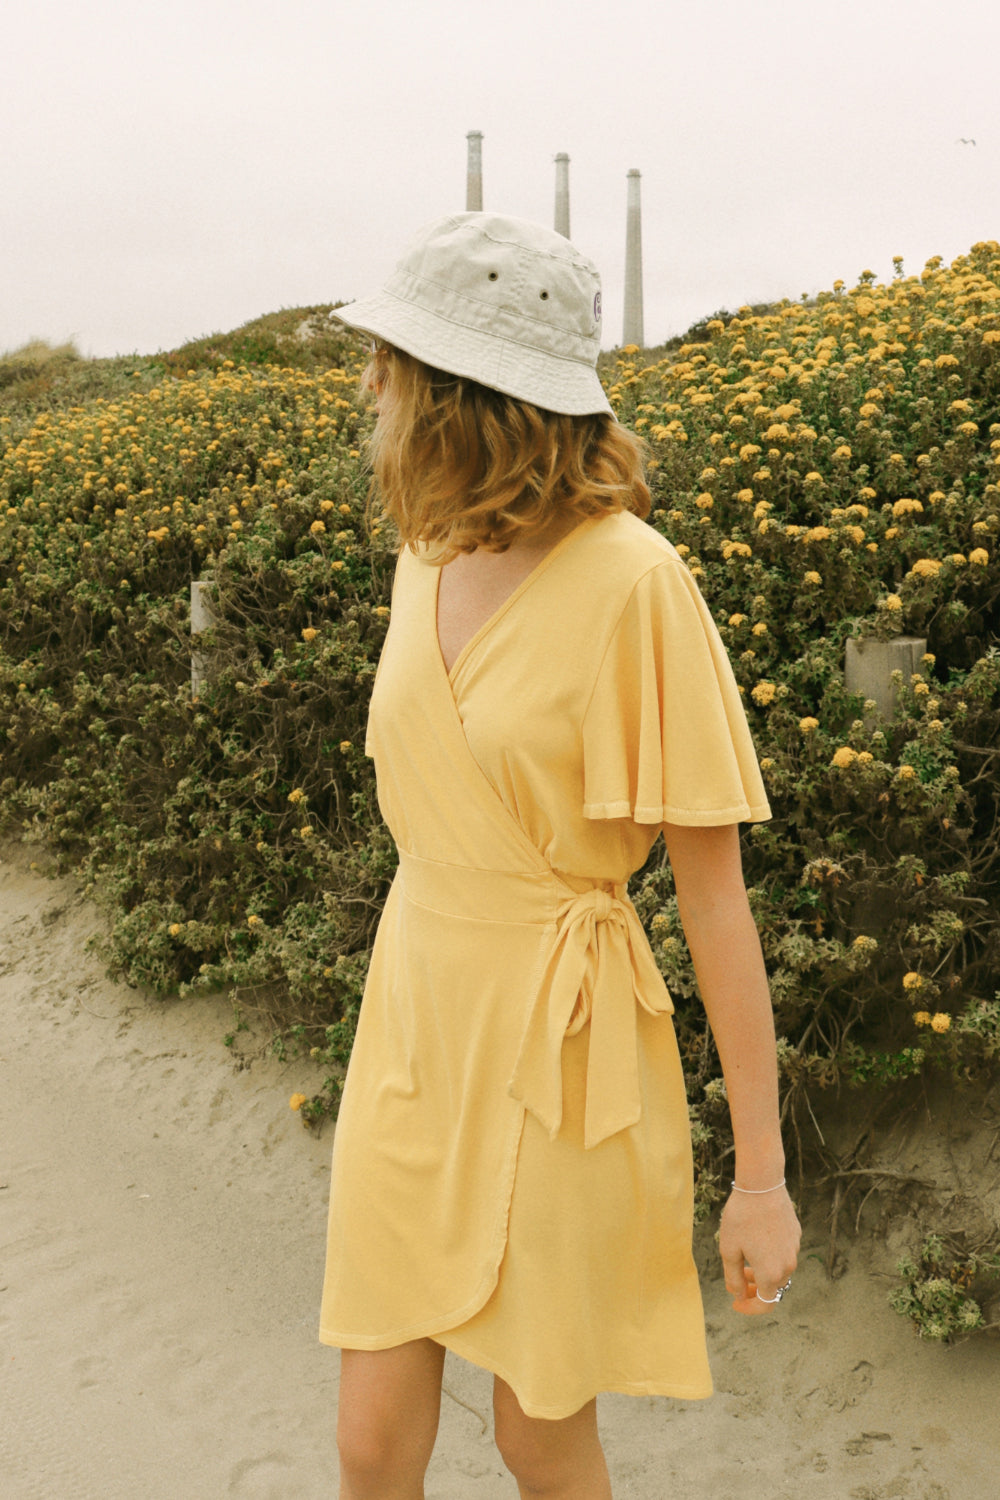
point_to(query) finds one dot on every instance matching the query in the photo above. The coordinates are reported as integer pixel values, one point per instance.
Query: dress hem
(673, 1389)
(430, 1328)
(455, 1317)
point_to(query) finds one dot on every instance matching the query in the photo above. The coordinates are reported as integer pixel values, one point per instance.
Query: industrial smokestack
(562, 194)
(632, 332)
(474, 173)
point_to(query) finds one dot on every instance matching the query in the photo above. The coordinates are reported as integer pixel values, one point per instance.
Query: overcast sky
(172, 170)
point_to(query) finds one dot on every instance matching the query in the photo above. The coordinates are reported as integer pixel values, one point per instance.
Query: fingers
(751, 1306)
(735, 1269)
(756, 1302)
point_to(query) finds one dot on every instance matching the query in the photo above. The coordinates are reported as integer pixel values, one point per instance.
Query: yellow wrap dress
(512, 1163)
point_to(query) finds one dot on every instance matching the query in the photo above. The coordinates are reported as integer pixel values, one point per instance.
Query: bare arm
(757, 1232)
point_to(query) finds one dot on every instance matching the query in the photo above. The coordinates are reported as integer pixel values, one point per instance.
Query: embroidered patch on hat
(597, 307)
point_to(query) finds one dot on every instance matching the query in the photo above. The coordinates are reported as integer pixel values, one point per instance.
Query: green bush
(942, 1288)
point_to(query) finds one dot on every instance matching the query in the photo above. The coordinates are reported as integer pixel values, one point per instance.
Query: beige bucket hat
(498, 300)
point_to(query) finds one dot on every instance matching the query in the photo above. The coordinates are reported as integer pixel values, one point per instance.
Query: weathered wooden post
(632, 331)
(202, 618)
(562, 195)
(869, 665)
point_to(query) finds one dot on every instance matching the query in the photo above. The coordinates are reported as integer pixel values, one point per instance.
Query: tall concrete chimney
(562, 194)
(632, 330)
(474, 173)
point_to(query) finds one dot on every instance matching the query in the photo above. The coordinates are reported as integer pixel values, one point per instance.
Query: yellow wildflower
(906, 773)
(317, 528)
(844, 757)
(763, 693)
(736, 620)
(921, 1018)
(705, 501)
(907, 507)
(913, 981)
(808, 725)
(812, 577)
(174, 929)
(941, 1021)
(309, 634)
(927, 567)
(979, 557)
(296, 794)
(296, 1101)
(345, 745)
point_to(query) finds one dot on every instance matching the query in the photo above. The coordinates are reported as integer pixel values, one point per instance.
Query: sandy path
(161, 1229)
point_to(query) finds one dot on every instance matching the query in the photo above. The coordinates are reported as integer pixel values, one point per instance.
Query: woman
(512, 1169)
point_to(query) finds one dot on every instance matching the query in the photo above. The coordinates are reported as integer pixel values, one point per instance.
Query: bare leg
(387, 1419)
(561, 1460)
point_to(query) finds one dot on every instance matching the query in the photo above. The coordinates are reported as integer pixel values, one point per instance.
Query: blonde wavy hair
(459, 466)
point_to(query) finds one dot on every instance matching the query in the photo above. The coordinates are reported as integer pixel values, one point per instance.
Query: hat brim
(566, 386)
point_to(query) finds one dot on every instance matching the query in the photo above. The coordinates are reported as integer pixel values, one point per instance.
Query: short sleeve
(665, 735)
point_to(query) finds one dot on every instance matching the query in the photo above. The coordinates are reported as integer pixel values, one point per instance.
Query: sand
(162, 1217)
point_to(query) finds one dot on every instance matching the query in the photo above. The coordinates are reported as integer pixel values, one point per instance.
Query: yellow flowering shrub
(822, 466)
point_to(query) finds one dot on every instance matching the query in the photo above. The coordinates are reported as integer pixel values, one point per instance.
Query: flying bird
(964, 141)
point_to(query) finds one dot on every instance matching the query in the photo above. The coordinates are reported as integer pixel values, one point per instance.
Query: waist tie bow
(599, 968)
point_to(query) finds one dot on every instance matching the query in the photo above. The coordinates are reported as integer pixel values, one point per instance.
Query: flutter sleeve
(665, 735)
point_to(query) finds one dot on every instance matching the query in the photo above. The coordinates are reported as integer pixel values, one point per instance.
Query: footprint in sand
(844, 1390)
(263, 1478)
(901, 1488)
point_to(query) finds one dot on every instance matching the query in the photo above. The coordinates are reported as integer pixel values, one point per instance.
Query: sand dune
(161, 1236)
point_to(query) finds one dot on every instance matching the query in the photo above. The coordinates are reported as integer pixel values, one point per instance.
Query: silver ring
(777, 1296)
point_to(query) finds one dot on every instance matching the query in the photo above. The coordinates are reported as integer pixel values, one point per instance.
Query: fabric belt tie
(596, 970)
(599, 969)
